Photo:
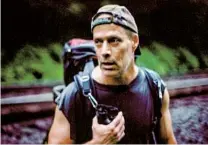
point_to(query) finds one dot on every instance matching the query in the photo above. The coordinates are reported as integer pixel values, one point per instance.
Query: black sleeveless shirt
(134, 100)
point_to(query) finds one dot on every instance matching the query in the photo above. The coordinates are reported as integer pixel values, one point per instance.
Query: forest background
(173, 35)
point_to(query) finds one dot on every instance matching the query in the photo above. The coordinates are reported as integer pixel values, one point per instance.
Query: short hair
(130, 33)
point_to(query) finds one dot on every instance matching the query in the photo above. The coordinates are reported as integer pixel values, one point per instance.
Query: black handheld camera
(106, 113)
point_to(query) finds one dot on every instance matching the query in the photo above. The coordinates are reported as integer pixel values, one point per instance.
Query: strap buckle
(87, 91)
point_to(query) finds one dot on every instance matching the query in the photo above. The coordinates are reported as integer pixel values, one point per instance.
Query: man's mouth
(108, 65)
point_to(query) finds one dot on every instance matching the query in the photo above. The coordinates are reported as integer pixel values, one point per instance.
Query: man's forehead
(108, 30)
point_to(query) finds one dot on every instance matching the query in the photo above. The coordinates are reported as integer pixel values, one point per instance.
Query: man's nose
(106, 51)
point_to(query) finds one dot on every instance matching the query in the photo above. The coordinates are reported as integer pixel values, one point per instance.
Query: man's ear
(135, 41)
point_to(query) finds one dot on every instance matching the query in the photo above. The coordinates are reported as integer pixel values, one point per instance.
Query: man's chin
(110, 72)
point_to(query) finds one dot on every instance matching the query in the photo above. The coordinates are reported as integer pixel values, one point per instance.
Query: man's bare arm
(112, 133)
(166, 129)
(60, 129)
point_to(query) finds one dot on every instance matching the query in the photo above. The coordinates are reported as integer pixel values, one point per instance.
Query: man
(118, 82)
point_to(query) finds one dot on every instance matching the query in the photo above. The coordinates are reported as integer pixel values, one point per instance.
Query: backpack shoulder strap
(155, 84)
(84, 83)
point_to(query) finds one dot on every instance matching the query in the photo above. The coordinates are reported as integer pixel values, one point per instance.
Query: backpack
(78, 55)
(79, 59)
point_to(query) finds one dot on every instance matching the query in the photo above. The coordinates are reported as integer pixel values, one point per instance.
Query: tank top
(134, 100)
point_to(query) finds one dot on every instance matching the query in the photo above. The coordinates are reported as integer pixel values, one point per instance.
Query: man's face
(113, 48)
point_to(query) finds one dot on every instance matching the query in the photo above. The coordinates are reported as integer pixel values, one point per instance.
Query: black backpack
(79, 59)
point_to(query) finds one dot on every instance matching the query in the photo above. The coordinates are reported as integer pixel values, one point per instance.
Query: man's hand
(108, 134)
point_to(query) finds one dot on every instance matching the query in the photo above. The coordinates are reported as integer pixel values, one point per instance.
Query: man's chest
(136, 105)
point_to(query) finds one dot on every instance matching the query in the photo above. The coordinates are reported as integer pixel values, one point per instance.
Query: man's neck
(124, 79)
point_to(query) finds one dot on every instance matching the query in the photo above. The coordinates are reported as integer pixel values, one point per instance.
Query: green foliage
(167, 57)
(38, 64)
(205, 58)
(167, 61)
(159, 58)
(148, 59)
(34, 64)
(55, 51)
(190, 60)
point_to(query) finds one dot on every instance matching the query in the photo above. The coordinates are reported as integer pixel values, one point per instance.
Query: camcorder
(106, 113)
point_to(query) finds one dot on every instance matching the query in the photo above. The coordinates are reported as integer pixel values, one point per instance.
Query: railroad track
(18, 103)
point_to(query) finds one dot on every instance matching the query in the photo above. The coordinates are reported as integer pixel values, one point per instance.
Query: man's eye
(114, 40)
(97, 42)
